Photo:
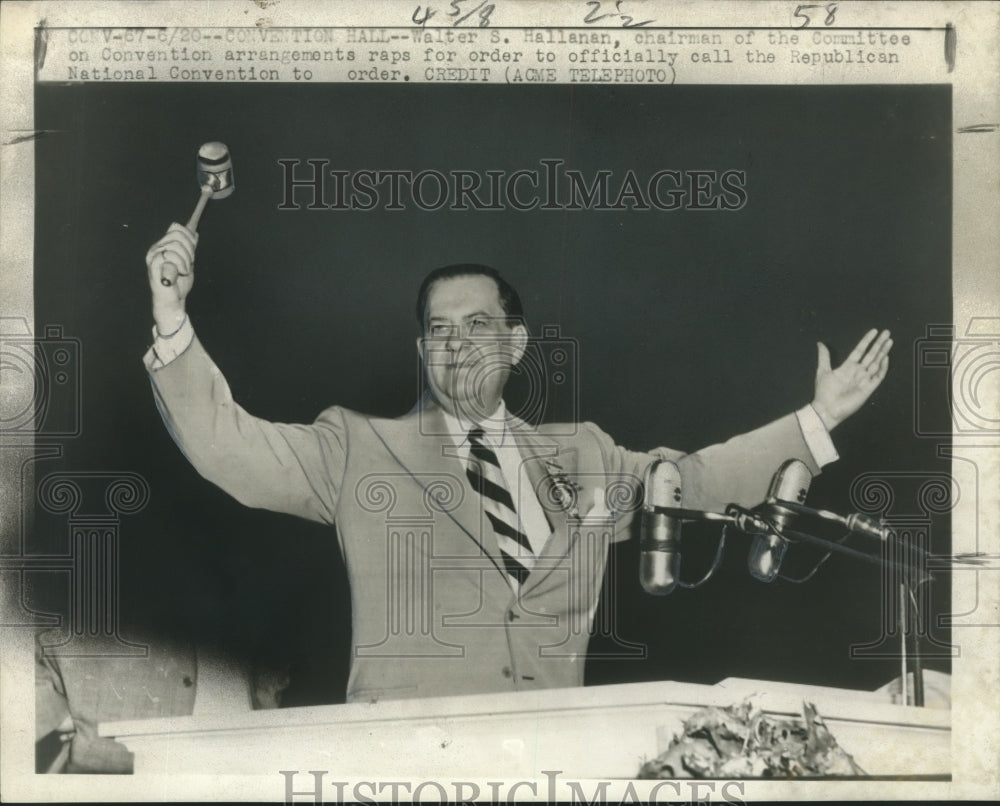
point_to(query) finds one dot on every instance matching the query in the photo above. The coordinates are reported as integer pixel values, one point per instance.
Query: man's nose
(456, 339)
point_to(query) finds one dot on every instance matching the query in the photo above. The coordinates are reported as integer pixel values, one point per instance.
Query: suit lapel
(419, 441)
(551, 469)
(421, 444)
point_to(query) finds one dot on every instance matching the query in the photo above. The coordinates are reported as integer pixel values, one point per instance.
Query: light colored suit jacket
(157, 677)
(433, 612)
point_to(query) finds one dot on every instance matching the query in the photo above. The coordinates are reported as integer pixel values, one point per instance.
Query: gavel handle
(199, 208)
(169, 269)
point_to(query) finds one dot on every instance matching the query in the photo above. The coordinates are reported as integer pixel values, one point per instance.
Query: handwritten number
(627, 20)
(417, 19)
(590, 14)
(628, 23)
(831, 13)
(485, 9)
(484, 13)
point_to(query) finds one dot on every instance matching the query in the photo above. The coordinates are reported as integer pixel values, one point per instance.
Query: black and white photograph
(481, 401)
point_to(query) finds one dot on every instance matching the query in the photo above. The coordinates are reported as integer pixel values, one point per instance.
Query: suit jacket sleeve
(297, 469)
(51, 706)
(737, 471)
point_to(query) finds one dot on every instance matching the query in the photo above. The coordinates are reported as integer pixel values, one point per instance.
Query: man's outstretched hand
(842, 391)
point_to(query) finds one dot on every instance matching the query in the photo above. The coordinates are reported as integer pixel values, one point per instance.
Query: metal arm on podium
(912, 573)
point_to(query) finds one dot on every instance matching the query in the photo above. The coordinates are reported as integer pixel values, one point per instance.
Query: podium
(597, 732)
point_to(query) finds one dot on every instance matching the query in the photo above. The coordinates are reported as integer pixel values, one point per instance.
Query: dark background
(689, 326)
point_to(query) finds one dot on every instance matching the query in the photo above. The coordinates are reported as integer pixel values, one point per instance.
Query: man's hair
(509, 299)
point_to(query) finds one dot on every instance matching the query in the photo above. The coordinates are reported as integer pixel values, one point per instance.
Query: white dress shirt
(496, 435)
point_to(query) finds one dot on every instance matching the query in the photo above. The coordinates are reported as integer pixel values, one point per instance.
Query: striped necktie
(487, 479)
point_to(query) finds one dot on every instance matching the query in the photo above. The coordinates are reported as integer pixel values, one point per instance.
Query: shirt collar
(494, 427)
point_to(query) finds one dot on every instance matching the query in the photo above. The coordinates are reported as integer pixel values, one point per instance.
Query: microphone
(659, 543)
(790, 483)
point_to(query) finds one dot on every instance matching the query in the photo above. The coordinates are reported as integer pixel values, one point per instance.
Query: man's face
(468, 348)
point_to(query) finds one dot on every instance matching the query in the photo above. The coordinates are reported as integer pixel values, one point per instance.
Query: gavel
(215, 178)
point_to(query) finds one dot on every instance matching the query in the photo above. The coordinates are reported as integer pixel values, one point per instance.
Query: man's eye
(479, 324)
(440, 331)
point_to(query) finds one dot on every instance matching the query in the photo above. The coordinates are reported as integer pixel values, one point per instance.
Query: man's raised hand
(842, 391)
(170, 265)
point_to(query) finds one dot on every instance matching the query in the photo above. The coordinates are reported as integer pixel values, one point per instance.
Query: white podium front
(597, 732)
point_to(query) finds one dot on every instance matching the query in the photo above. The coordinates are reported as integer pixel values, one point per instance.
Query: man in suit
(95, 683)
(475, 544)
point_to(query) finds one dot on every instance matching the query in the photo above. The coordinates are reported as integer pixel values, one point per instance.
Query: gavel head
(215, 170)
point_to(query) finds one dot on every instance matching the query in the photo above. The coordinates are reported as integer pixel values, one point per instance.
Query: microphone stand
(752, 523)
(918, 672)
(910, 582)
(909, 627)
(755, 524)
(909, 608)
(911, 578)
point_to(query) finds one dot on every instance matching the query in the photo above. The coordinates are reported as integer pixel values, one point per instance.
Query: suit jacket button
(511, 615)
(506, 672)
(187, 681)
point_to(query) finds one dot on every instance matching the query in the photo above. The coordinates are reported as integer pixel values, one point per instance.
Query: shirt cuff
(166, 348)
(816, 436)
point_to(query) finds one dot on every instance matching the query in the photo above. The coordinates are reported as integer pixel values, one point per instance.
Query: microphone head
(766, 554)
(659, 560)
(215, 169)
(659, 571)
(662, 485)
(790, 483)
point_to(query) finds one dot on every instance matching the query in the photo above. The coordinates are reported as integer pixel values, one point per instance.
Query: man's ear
(518, 342)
